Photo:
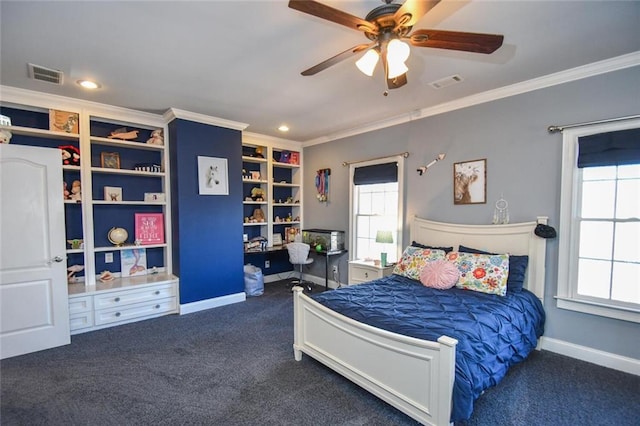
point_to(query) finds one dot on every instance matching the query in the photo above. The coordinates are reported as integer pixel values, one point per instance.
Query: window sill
(597, 309)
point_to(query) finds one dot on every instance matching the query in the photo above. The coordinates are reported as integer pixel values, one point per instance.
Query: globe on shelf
(118, 236)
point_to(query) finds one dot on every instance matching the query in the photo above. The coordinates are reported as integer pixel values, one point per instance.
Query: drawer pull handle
(157, 292)
(157, 306)
(117, 299)
(117, 314)
(366, 275)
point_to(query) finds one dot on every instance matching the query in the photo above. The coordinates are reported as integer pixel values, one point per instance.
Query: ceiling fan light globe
(397, 51)
(396, 69)
(367, 63)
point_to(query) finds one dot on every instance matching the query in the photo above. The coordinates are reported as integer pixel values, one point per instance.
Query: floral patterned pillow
(486, 273)
(414, 259)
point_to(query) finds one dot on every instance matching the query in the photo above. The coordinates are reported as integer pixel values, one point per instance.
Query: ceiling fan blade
(412, 10)
(334, 15)
(455, 40)
(334, 60)
(396, 82)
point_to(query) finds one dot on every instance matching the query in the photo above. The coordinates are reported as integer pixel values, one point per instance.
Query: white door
(34, 308)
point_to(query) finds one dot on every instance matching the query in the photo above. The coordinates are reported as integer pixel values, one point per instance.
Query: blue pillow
(517, 268)
(417, 244)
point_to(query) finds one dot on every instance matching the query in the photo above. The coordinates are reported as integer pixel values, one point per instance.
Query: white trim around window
(567, 295)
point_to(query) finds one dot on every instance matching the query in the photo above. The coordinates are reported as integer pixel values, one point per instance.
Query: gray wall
(523, 165)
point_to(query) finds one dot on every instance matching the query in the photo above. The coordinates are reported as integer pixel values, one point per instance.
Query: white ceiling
(241, 60)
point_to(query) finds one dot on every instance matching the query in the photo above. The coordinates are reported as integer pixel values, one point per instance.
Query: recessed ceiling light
(88, 84)
(283, 128)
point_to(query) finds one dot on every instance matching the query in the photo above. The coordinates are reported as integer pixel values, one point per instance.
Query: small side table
(361, 271)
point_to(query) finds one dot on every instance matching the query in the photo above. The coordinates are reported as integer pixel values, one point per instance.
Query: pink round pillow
(440, 274)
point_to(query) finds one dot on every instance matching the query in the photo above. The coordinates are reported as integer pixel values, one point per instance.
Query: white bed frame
(415, 376)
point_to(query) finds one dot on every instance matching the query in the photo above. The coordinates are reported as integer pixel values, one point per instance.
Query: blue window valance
(609, 149)
(377, 173)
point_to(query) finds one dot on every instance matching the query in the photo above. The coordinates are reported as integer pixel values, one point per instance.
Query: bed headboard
(513, 238)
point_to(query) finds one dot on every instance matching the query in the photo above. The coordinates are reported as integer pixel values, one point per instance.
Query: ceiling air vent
(447, 81)
(45, 74)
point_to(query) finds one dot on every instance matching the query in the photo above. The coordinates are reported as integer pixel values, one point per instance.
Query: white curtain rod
(555, 129)
(346, 163)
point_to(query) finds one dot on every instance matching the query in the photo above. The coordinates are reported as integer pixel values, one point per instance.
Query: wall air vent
(48, 75)
(447, 81)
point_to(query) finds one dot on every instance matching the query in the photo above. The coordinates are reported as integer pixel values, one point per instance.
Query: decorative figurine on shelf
(259, 152)
(258, 215)
(106, 276)
(257, 194)
(76, 243)
(156, 138)
(5, 136)
(72, 271)
(76, 191)
(66, 195)
(70, 155)
(123, 134)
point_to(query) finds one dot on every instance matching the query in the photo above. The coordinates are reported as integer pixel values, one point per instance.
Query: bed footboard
(415, 376)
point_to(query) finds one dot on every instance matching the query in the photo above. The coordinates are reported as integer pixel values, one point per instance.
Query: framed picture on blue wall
(213, 176)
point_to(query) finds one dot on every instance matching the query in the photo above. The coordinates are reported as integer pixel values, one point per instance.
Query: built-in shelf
(130, 203)
(125, 144)
(120, 248)
(41, 133)
(126, 172)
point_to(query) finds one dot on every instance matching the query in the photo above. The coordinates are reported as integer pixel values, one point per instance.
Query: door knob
(56, 259)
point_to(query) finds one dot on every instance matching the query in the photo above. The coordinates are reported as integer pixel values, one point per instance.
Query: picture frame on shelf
(64, 121)
(277, 239)
(154, 197)
(113, 193)
(470, 182)
(110, 160)
(133, 262)
(149, 228)
(213, 178)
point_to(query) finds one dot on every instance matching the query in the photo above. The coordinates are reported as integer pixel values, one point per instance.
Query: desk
(327, 255)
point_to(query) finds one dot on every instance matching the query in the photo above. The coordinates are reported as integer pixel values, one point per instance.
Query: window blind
(609, 149)
(377, 173)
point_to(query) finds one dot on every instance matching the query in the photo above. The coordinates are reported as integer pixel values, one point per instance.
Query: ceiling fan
(388, 26)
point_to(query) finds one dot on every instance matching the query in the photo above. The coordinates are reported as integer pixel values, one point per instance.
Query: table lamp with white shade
(384, 237)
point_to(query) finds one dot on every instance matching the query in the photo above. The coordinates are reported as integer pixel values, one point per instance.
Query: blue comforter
(493, 332)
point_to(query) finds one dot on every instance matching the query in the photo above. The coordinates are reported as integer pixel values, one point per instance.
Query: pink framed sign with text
(149, 228)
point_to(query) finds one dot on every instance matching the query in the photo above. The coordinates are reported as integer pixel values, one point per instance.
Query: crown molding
(24, 97)
(260, 139)
(173, 113)
(566, 76)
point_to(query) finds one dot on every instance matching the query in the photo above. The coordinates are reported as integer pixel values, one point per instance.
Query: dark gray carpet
(234, 366)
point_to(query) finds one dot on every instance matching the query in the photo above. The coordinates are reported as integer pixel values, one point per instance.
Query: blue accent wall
(206, 229)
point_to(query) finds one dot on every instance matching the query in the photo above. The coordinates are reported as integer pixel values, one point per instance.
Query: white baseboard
(281, 276)
(595, 356)
(201, 305)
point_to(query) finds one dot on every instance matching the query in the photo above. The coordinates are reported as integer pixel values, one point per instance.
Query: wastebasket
(253, 280)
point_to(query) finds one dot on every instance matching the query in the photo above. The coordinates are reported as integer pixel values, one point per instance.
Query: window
(599, 259)
(376, 205)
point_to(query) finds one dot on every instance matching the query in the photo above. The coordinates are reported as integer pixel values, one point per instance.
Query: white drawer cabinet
(360, 271)
(122, 302)
(80, 312)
